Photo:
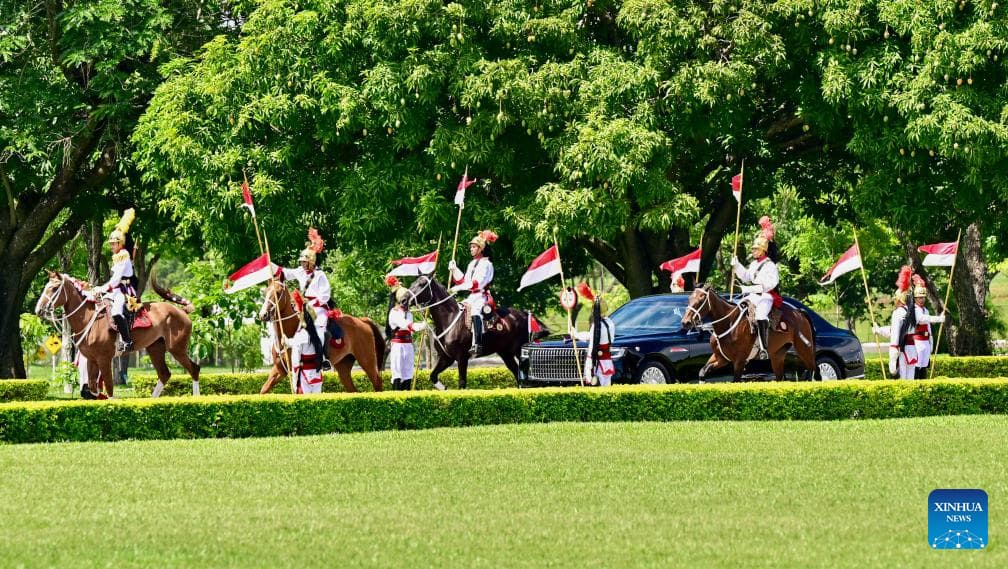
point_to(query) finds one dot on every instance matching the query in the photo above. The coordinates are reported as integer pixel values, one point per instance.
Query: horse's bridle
(50, 309)
(428, 288)
(695, 310)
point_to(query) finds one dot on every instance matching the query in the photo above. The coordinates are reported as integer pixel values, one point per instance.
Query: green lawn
(719, 494)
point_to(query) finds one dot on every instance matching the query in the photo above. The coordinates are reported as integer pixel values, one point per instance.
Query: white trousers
(401, 360)
(118, 302)
(923, 352)
(604, 372)
(310, 381)
(906, 363)
(763, 303)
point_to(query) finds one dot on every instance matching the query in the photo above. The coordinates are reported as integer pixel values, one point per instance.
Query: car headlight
(617, 353)
(524, 353)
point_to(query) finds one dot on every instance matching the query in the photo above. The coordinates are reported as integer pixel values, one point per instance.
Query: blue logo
(957, 519)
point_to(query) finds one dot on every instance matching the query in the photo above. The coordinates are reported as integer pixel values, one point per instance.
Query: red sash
(402, 337)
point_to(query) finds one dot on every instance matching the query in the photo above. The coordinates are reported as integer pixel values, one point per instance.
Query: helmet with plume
(903, 284)
(313, 247)
(391, 281)
(919, 287)
(483, 238)
(118, 234)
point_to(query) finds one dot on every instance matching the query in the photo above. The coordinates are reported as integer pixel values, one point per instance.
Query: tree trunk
(969, 334)
(95, 242)
(11, 357)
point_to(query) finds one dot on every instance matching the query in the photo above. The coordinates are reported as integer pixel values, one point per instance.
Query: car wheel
(653, 373)
(828, 369)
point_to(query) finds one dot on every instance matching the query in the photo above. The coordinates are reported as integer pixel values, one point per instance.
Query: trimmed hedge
(490, 378)
(949, 366)
(281, 415)
(248, 383)
(23, 389)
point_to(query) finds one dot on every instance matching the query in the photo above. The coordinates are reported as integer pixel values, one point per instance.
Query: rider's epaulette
(120, 257)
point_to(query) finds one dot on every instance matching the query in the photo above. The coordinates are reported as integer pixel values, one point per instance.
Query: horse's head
(54, 295)
(277, 300)
(698, 305)
(426, 291)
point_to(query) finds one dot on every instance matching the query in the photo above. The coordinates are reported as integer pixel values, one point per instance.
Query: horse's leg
(442, 364)
(365, 352)
(463, 367)
(805, 347)
(511, 363)
(714, 362)
(777, 361)
(344, 369)
(178, 351)
(105, 373)
(156, 351)
(277, 373)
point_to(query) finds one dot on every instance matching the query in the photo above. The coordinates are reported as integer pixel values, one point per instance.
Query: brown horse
(90, 324)
(362, 341)
(453, 331)
(733, 335)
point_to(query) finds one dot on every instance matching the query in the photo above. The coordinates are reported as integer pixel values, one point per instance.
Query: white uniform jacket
(478, 276)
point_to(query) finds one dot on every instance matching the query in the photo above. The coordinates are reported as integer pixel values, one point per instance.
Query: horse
(734, 336)
(92, 333)
(362, 341)
(453, 330)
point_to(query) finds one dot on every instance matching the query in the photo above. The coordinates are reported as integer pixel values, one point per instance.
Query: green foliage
(23, 389)
(259, 416)
(34, 332)
(953, 366)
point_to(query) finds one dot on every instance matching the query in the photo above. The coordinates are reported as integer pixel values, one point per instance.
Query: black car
(651, 346)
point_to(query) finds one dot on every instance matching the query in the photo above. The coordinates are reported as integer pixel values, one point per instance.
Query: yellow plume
(127, 220)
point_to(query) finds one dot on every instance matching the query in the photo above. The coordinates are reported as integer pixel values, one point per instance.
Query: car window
(651, 313)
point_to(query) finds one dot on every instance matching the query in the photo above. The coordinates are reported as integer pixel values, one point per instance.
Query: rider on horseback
(476, 280)
(315, 287)
(763, 275)
(123, 282)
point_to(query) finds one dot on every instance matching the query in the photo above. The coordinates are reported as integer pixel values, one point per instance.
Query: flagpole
(458, 224)
(738, 219)
(948, 292)
(871, 312)
(424, 333)
(285, 352)
(255, 222)
(570, 321)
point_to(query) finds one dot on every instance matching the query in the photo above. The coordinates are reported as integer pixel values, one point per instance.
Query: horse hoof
(101, 397)
(85, 393)
(439, 386)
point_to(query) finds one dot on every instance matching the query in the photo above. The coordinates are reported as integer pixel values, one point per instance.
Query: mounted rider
(400, 320)
(476, 281)
(922, 332)
(762, 274)
(123, 283)
(314, 286)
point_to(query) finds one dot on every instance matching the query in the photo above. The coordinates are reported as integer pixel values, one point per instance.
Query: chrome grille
(555, 364)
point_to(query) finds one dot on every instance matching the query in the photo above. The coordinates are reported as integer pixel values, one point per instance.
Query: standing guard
(922, 333)
(902, 348)
(763, 275)
(599, 365)
(402, 353)
(476, 280)
(315, 287)
(123, 283)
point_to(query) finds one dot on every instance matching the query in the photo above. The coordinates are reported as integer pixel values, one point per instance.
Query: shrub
(23, 389)
(280, 415)
(951, 366)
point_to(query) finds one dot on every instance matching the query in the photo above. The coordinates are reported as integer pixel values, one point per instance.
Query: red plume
(298, 301)
(768, 228)
(317, 244)
(680, 282)
(585, 291)
(391, 281)
(918, 281)
(488, 235)
(903, 280)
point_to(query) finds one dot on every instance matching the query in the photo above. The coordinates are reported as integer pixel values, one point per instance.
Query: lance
(871, 312)
(948, 292)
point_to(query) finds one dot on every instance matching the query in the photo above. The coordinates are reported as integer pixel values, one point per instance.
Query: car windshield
(651, 314)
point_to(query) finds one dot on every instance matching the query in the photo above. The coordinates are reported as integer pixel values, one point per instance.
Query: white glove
(879, 330)
(417, 326)
(89, 295)
(938, 319)
(893, 358)
(458, 288)
(735, 262)
(750, 289)
(452, 266)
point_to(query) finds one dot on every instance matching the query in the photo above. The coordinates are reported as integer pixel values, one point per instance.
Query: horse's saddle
(776, 315)
(134, 319)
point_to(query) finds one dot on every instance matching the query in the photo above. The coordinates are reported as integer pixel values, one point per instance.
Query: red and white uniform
(604, 372)
(922, 335)
(763, 275)
(476, 279)
(305, 363)
(402, 352)
(119, 285)
(316, 291)
(901, 364)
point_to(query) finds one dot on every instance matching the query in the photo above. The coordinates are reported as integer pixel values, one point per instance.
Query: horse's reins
(419, 307)
(278, 344)
(717, 335)
(51, 312)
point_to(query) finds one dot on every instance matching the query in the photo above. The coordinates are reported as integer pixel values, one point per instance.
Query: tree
(74, 78)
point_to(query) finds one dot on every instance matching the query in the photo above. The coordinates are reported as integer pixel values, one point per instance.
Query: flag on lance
(939, 254)
(464, 183)
(849, 261)
(533, 326)
(258, 271)
(736, 187)
(689, 263)
(543, 267)
(247, 198)
(415, 266)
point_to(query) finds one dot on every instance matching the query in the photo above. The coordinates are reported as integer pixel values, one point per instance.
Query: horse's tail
(168, 295)
(379, 342)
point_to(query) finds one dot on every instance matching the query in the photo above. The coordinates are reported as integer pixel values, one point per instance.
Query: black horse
(504, 333)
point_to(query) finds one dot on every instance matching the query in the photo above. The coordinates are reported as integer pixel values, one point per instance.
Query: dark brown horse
(504, 336)
(362, 341)
(90, 324)
(733, 335)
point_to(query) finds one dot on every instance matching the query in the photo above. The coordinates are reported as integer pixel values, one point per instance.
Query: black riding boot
(764, 328)
(477, 326)
(319, 345)
(85, 392)
(124, 332)
(405, 384)
(396, 384)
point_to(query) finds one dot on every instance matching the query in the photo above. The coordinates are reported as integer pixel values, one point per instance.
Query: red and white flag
(543, 267)
(736, 187)
(247, 198)
(258, 271)
(849, 261)
(533, 326)
(464, 183)
(689, 263)
(939, 254)
(415, 266)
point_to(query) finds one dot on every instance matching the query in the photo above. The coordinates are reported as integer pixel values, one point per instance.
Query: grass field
(723, 494)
